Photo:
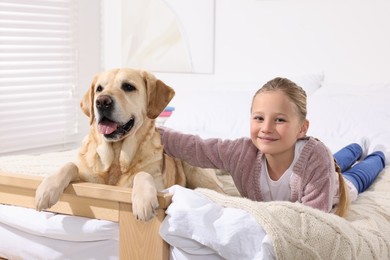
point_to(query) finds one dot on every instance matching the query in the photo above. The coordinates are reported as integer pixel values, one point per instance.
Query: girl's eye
(99, 89)
(280, 120)
(258, 118)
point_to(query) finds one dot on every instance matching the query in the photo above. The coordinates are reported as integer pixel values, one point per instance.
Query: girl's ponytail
(343, 204)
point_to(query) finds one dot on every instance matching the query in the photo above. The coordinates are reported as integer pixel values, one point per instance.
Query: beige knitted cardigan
(301, 232)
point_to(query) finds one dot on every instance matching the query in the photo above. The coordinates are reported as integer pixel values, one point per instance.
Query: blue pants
(363, 173)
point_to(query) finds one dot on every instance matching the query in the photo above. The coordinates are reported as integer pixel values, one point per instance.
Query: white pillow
(223, 109)
(340, 115)
(213, 113)
(310, 82)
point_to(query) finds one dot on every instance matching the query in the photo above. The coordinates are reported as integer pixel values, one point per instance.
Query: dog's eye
(128, 87)
(99, 89)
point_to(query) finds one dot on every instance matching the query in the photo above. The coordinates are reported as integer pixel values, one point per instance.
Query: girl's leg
(364, 173)
(348, 155)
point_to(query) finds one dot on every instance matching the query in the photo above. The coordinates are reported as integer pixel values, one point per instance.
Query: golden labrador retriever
(124, 146)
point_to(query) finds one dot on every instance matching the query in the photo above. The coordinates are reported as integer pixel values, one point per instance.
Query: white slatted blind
(38, 73)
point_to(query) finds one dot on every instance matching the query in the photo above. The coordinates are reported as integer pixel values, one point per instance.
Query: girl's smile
(267, 139)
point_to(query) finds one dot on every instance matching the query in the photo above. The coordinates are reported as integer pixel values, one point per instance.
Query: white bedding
(28, 234)
(58, 226)
(195, 225)
(341, 114)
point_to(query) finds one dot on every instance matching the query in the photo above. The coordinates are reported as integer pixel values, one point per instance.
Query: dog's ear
(86, 103)
(159, 95)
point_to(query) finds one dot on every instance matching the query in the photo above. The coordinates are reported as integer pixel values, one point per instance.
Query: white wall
(89, 51)
(348, 40)
(256, 40)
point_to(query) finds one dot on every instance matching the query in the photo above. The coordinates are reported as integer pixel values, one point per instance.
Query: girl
(279, 162)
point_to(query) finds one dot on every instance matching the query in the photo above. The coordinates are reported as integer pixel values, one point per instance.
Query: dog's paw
(144, 197)
(47, 194)
(144, 205)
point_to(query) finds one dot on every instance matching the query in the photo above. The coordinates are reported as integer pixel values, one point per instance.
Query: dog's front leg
(144, 196)
(52, 186)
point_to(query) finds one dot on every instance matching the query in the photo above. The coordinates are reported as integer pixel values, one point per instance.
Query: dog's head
(119, 100)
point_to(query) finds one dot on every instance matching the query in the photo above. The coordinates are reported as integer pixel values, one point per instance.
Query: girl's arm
(205, 153)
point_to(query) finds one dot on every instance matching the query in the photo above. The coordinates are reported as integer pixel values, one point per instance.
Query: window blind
(38, 74)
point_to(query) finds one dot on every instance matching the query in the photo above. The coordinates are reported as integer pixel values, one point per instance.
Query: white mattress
(42, 235)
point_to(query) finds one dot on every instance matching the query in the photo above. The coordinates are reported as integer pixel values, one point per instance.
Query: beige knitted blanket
(300, 232)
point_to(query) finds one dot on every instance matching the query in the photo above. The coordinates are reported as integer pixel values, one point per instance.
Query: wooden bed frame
(138, 240)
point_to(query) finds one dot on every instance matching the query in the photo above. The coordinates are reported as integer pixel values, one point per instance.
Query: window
(38, 75)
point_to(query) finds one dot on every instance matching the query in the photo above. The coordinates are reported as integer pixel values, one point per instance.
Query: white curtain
(38, 73)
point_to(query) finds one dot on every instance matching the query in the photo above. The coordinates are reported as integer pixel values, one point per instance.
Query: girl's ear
(304, 129)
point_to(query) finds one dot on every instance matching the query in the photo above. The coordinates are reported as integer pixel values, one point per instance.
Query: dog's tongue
(107, 127)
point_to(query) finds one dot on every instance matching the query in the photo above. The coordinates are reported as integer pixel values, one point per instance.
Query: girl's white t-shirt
(280, 189)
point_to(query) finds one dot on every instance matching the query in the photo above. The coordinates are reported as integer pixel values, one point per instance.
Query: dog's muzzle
(107, 126)
(113, 130)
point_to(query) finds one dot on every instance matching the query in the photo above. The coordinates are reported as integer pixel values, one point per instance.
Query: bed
(95, 221)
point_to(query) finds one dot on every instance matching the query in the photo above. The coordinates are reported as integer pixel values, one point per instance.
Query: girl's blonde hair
(343, 205)
(294, 92)
(298, 96)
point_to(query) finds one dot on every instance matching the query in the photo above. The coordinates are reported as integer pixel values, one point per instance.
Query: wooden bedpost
(141, 240)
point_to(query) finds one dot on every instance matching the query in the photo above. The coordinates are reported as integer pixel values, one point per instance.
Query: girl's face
(275, 123)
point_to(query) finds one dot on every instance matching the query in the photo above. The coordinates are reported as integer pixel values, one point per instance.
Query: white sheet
(16, 244)
(43, 235)
(58, 226)
(196, 225)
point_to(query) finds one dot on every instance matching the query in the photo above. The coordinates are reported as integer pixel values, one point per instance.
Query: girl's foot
(365, 145)
(384, 150)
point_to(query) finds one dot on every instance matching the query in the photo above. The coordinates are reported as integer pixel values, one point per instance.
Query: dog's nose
(104, 102)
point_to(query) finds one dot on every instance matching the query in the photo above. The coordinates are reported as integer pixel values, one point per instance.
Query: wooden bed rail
(138, 240)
